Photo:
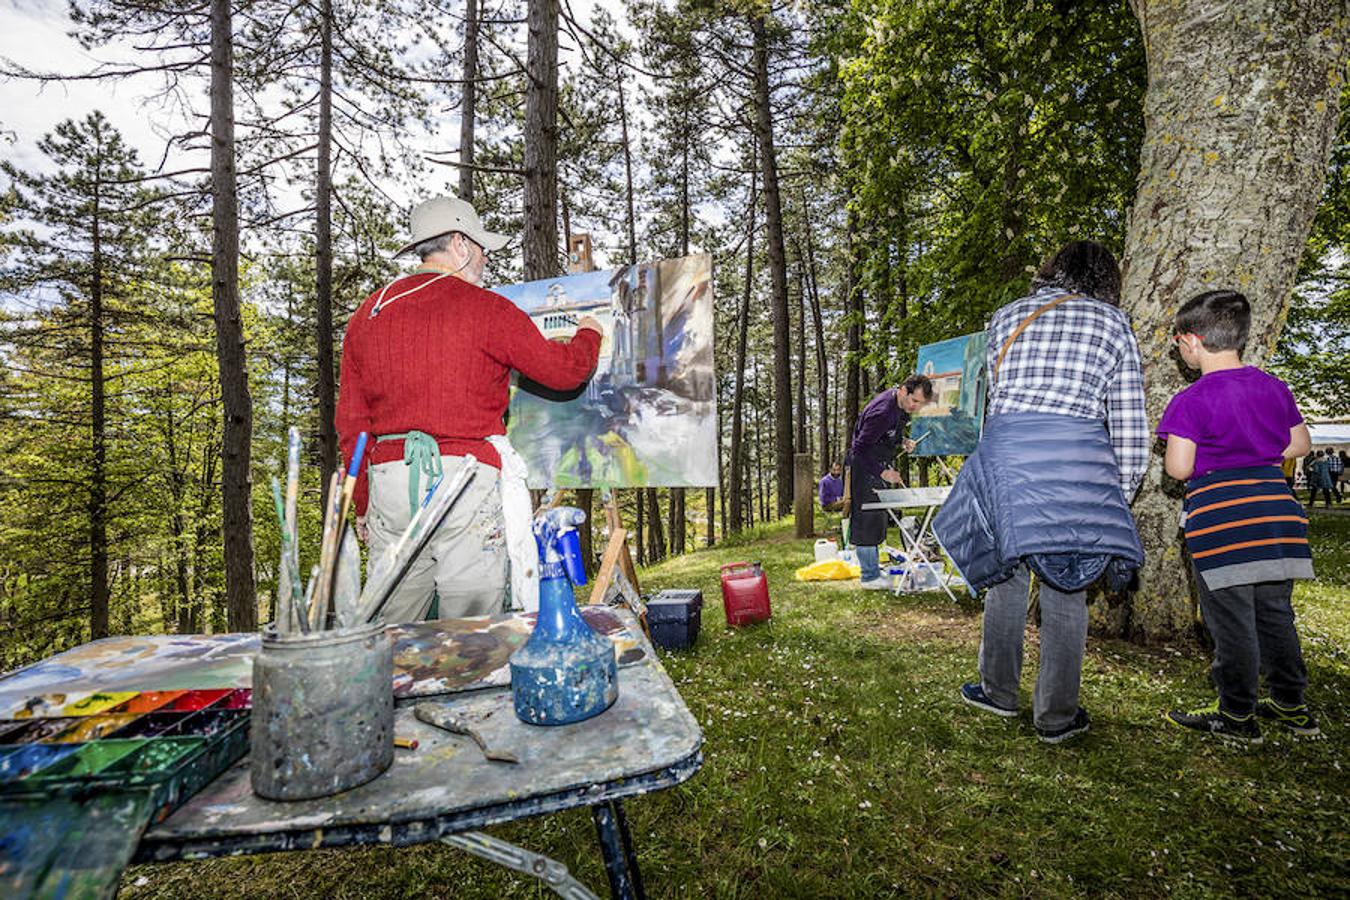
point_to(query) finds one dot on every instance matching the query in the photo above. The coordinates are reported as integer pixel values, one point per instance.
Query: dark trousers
(1253, 630)
(1313, 492)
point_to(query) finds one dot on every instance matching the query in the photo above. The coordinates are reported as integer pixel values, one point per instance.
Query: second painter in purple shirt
(1237, 418)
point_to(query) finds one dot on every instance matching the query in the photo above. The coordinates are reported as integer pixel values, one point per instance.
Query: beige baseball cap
(442, 215)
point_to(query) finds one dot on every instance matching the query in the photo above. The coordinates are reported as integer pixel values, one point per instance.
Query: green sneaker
(1212, 720)
(1296, 718)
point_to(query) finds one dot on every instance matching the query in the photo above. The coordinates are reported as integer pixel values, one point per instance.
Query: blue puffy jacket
(1043, 489)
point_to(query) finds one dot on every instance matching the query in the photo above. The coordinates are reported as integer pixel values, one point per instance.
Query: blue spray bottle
(565, 672)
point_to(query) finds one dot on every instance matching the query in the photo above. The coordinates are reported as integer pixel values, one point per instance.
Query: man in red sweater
(426, 371)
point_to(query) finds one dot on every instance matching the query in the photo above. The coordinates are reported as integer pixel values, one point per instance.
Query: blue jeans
(869, 560)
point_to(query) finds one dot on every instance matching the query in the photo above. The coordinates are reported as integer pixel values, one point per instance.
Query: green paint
(90, 759)
(158, 755)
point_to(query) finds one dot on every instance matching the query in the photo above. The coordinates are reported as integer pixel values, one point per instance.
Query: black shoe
(1078, 726)
(1296, 718)
(1212, 720)
(973, 693)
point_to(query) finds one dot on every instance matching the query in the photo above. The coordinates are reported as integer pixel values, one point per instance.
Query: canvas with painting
(951, 424)
(648, 416)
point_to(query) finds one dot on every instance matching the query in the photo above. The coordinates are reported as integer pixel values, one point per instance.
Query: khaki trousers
(464, 564)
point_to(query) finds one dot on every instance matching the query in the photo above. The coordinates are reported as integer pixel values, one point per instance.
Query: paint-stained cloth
(1244, 526)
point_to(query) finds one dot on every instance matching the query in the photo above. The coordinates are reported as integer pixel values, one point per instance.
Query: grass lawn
(840, 762)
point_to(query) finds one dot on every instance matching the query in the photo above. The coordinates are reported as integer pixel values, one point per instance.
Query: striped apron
(1244, 526)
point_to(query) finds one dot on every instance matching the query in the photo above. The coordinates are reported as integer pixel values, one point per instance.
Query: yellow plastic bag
(828, 570)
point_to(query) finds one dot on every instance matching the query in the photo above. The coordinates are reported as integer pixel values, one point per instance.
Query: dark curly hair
(1083, 267)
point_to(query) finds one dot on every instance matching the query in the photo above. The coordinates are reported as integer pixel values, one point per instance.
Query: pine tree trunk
(736, 500)
(236, 447)
(801, 445)
(541, 141)
(854, 300)
(822, 365)
(655, 531)
(1240, 112)
(468, 106)
(777, 260)
(98, 477)
(323, 255)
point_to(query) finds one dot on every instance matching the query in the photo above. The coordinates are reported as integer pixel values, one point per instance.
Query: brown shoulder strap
(998, 363)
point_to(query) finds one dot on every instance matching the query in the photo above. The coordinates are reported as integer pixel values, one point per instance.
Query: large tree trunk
(853, 297)
(469, 101)
(236, 447)
(541, 141)
(1241, 107)
(323, 255)
(736, 488)
(822, 365)
(773, 236)
(98, 480)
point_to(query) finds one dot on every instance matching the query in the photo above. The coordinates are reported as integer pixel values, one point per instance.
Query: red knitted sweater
(439, 360)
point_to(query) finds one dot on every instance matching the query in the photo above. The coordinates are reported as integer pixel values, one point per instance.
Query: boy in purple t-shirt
(1246, 534)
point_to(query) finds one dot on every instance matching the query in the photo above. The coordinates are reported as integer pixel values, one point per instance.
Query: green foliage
(978, 138)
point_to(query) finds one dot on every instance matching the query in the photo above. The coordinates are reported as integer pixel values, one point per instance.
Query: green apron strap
(423, 455)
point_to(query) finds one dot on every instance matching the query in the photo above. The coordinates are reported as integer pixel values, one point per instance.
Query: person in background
(1336, 468)
(832, 488)
(1318, 472)
(1290, 469)
(426, 372)
(877, 439)
(1048, 489)
(1248, 540)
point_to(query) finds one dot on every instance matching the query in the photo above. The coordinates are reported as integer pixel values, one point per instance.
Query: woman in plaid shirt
(1064, 449)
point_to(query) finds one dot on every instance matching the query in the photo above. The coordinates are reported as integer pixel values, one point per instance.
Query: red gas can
(745, 593)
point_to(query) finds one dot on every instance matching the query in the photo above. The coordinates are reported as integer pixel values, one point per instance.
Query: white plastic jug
(826, 549)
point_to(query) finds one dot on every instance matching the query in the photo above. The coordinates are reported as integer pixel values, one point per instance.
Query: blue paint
(565, 672)
(23, 761)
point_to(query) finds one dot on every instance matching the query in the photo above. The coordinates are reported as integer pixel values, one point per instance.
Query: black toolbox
(673, 617)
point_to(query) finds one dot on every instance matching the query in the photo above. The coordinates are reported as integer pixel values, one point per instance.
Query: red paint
(745, 593)
(148, 701)
(238, 699)
(194, 700)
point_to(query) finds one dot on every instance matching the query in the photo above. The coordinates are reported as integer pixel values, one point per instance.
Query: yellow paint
(1218, 101)
(96, 703)
(1211, 157)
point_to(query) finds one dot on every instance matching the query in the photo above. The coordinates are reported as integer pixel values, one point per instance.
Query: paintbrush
(327, 547)
(309, 599)
(375, 596)
(380, 567)
(344, 503)
(284, 615)
(292, 517)
(347, 579)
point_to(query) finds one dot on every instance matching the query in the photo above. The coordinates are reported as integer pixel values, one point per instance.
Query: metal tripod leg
(549, 871)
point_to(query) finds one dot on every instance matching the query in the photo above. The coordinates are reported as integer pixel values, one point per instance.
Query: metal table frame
(460, 830)
(929, 500)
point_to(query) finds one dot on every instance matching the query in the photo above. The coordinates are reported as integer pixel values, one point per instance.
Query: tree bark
(737, 485)
(1241, 107)
(236, 446)
(854, 302)
(777, 260)
(822, 364)
(323, 256)
(801, 423)
(541, 141)
(469, 101)
(98, 486)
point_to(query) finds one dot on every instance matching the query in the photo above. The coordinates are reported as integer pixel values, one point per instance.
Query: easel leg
(625, 882)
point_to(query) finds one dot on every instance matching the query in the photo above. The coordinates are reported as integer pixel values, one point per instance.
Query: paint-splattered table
(443, 790)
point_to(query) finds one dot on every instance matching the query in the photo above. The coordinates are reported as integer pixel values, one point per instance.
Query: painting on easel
(648, 416)
(951, 424)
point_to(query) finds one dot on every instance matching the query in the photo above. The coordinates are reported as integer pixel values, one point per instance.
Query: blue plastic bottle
(565, 672)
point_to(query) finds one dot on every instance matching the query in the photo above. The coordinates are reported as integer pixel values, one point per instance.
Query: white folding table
(893, 501)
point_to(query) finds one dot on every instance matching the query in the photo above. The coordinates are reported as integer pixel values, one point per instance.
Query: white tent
(1329, 433)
